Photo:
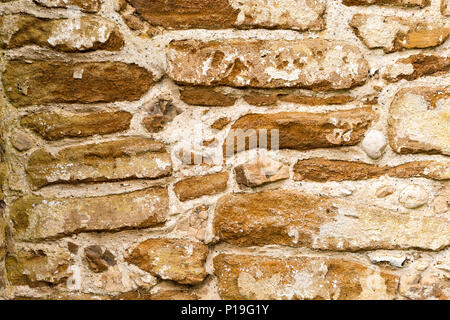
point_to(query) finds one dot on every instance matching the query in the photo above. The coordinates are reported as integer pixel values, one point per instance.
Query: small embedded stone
(98, 260)
(21, 141)
(384, 191)
(374, 143)
(261, 171)
(413, 196)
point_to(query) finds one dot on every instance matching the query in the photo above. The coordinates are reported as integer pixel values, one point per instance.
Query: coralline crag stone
(98, 260)
(172, 259)
(374, 143)
(221, 14)
(261, 171)
(59, 125)
(301, 130)
(322, 170)
(416, 66)
(418, 120)
(41, 266)
(38, 218)
(196, 187)
(397, 3)
(297, 219)
(267, 278)
(413, 196)
(311, 64)
(35, 82)
(83, 5)
(395, 34)
(123, 159)
(69, 35)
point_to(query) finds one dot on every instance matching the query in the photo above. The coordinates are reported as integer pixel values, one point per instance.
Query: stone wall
(116, 178)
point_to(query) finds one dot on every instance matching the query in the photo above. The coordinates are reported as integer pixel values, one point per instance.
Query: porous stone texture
(312, 64)
(71, 35)
(394, 34)
(83, 5)
(173, 259)
(418, 120)
(196, 187)
(289, 218)
(300, 130)
(59, 125)
(224, 149)
(416, 66)
(258, 277)
(222, 14)
(43, 82)
(36, 217)
(113, 160)
(400, 3)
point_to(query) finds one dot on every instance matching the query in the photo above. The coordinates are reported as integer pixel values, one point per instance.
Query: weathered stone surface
(172, 259)
(59, 125)
(43, 82)
(416, 66)
(426, 281)
(174, 295)
(204, 96)
(301, 130)
(311, 64)
(441, 201)
(42, 266)
(84, 5)
(399, 3)
(418, 120)
(394, 34)
(2, 253)
(128, 158)
(445, 7)
(70, 35)
(297, 219)
(261, 171)
(160, 114)
(267, 278)
(222, 14)
(322, 170)
(21, 141)
(98, 260)
(315, 101)
(423, 169)
(38, 218)
(195, 187)
(220, 123)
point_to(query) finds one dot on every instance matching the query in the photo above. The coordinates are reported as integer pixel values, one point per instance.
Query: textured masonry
(225, 149)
